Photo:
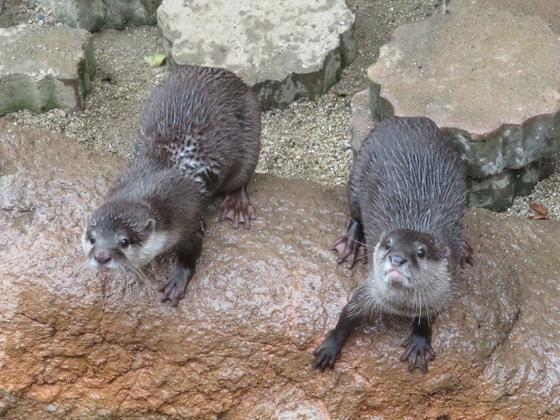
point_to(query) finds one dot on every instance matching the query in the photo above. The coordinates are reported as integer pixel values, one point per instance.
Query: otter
(407, 198)
(199, 137)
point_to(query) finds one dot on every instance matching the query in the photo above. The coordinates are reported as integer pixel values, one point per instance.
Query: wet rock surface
(285, 50)
(489, 77)
(76, 344)
(94, 15)
(44, 68)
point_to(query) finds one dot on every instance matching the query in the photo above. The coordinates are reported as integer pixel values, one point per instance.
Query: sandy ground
(308, 139)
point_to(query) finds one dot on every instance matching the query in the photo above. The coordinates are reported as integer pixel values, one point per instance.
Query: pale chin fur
(407, 295)
(156, 244)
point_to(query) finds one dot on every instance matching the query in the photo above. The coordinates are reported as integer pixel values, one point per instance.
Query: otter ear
(150, 226)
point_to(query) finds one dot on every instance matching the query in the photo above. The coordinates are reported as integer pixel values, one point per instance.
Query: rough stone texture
(285, 50)
(44, 68)
(546, 9)
(489, 78)
(95, 15)
(361, 121)
(493, 192)
(76, 345)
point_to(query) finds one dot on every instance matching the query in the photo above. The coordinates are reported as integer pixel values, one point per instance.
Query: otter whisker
(360, 243)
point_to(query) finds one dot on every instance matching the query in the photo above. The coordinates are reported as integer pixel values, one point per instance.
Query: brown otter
(407, 197)
(199, 136)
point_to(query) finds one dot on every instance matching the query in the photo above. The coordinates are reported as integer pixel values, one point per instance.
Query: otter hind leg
(418, 346)
(350, 247)
(238, 208)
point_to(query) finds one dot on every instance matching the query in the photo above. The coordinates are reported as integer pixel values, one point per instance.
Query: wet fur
(407, 176)
(199, 136)
(205, 122)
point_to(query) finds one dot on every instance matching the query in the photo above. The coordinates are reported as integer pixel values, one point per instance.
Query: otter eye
(388, 244)
(124, 242)
(91, 240)
(420, 252)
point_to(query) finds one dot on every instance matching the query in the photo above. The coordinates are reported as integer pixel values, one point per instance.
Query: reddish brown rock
(238, 346)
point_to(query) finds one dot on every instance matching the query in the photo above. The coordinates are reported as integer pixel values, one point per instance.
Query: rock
(95, 15)
(361, 121)
(494, 192)
(284, 50)
(486, 76)
(44, 68)
(74, 344)
(546, 9)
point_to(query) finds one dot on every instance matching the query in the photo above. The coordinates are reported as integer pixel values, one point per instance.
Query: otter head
(121, 235)
(411, 271)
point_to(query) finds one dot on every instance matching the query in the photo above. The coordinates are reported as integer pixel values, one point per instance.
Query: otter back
(206, 122)
(407, 176)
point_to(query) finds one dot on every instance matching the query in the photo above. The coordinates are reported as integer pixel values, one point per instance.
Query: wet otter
(199, 136)
(407, 197)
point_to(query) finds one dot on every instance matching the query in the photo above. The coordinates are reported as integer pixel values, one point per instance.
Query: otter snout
(102, 257)
(397, 259)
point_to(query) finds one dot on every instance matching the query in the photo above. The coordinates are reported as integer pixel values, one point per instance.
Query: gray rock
(361, 121)
(44, 68)
(285, 50)
(487, 77)
(94, 15)
(495, 192)
(546, 9)
(79, 345)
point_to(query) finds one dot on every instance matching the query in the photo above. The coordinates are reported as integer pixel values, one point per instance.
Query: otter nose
(397, 260)
(102, 258)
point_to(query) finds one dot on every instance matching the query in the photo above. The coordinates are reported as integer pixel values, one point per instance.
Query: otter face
(121, 240)
(411, 272)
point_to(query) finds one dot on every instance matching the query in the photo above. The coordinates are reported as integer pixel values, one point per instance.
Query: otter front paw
(418, 352)
(326, 354)
(176, 287)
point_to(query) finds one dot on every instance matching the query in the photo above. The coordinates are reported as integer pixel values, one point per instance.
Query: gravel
(308, 139)
(546, 192)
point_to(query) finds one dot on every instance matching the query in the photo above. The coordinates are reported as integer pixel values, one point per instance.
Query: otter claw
(348, 250)
(237, 208)
(350, 246)
(325, 355)
(465, 252)
(176, 287)
(418, 352)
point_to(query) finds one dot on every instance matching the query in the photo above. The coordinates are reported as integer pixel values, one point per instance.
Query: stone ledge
(283, 50)
(44, 68)
(487, 77)
(495, 192)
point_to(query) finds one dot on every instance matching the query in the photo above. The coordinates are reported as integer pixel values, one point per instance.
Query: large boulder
(44, 68)
(75, 344)
(487, 76)
(285, 50)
